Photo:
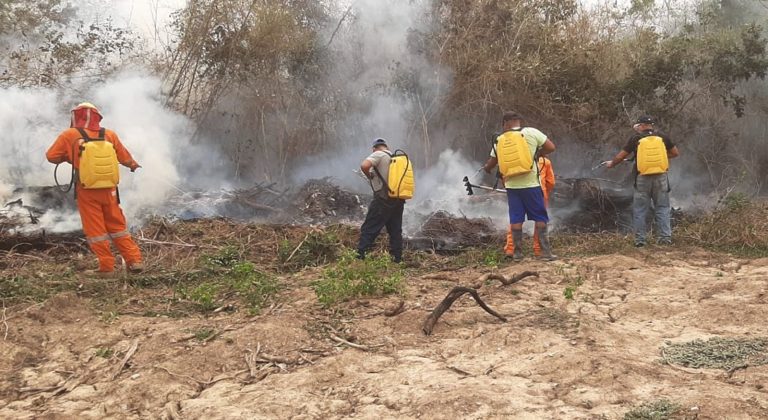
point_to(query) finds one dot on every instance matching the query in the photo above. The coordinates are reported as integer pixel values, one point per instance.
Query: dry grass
(738, 226)
(588, 244)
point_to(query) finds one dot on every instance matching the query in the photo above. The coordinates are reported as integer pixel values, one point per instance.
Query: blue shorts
(526, 201)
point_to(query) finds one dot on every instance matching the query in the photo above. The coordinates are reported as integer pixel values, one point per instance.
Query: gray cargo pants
(652, 190)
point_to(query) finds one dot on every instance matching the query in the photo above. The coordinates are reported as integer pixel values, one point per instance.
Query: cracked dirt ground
(591, 357)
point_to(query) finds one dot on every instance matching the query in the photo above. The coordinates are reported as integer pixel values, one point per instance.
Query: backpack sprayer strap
(87, 138)
(384, 191)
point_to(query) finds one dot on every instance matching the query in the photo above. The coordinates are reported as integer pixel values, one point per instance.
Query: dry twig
(297, 247)
(340, 340)
(506, 281)
(398, 309)
(128, 355)
(5, 322)
(455, 293)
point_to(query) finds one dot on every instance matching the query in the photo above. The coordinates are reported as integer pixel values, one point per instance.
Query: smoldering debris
(21, 226)
(320, 200)
(591, 205)
(262, 200)
(441, 231)
(578, 205)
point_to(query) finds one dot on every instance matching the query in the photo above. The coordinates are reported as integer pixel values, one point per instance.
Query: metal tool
(469, 186)
(601, 164)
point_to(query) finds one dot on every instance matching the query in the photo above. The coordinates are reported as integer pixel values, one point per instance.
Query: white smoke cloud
(158, 138)
(132, 105)
(441, 188)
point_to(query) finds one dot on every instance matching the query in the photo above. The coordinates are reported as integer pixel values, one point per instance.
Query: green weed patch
(351, 278)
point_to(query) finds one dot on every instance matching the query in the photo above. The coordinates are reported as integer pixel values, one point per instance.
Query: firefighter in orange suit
(98, 201)
(547, 180)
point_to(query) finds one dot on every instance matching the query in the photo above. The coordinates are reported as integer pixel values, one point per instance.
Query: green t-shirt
(535, 139)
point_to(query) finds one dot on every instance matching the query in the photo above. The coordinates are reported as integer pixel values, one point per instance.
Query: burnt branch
(455, 293)
(506, 281)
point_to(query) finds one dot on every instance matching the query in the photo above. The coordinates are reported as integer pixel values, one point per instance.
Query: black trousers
(383, 212)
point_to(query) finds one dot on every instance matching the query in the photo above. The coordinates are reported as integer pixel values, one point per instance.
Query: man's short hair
(511, 115)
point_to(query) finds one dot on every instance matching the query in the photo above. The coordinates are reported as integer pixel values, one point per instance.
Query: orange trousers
(103, 220)
(509, 248)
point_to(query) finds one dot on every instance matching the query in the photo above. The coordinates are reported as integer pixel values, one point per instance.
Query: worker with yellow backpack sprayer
(515, 152)
(94, 153)
(653, 149)
(547, 181)
(391, 178)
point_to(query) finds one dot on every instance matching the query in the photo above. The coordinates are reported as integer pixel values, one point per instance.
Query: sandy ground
(592, 357)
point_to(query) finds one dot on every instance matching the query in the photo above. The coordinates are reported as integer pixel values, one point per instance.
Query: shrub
(317, 248)
(351, 278)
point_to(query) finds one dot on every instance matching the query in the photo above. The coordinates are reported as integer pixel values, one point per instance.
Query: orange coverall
(547, 180)
(99, 209)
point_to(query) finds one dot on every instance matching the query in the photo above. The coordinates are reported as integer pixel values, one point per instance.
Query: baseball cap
(645, 119)
(379, 142)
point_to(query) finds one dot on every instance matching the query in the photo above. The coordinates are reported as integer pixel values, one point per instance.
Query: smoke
(396, 91)
(132, 106)
(440, 187)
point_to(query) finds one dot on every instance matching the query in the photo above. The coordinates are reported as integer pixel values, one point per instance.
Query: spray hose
(64, 188)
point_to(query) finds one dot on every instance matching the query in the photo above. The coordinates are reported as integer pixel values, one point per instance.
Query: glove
(608, 164)
(135, 166)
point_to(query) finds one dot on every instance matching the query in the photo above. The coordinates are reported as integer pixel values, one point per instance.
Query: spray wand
(601, 164)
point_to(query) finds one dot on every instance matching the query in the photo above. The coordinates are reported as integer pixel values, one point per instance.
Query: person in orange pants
(100, 212)
(547, 179)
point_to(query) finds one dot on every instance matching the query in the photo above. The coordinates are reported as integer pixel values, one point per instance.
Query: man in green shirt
(524, 193)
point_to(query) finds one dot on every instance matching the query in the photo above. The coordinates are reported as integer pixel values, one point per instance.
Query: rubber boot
(536, 244)
(546, 248)
(517, 239)
(509, 247)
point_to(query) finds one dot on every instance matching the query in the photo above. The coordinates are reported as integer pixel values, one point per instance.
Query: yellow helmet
(85, 105)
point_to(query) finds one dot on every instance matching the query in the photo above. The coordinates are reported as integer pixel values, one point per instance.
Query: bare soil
(591, 357)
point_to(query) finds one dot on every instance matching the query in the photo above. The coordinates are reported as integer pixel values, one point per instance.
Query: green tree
(45, 43)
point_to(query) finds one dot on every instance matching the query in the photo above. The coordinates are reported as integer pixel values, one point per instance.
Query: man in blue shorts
(524, 194)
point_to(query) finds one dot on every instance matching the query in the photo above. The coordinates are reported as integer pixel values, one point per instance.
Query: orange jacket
(65, 148)
(546, 176)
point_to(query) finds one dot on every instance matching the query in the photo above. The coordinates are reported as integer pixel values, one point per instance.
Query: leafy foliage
(229, 275)
(351, 278)
(317, 248)
(583, 72)
(43, 43)
(263, 56)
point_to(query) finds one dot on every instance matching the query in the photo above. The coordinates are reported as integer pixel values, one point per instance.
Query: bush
(351, 278)
(317, 248)
(203, 294)
(738, 225)
(255, 287)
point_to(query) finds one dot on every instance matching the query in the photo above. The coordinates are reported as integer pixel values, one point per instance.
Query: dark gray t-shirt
(380, 160)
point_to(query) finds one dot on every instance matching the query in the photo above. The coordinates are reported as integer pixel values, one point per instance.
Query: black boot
(546, 248)
(517, 239)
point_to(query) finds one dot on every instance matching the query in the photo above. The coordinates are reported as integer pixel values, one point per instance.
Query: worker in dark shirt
(652, 150)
